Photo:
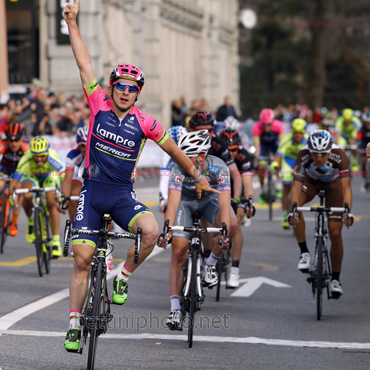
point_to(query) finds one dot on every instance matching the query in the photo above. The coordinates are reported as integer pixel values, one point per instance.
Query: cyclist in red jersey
(117, 133)
(12, 149)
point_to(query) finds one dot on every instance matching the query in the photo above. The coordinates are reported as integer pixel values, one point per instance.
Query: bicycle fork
(199, 287)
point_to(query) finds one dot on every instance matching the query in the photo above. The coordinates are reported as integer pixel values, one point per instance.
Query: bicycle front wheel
(38, 230)
(270, 193)
(94, 320)
(3, 221)
(219, 274)
(319, 277)
(193, 297)
(46, 237)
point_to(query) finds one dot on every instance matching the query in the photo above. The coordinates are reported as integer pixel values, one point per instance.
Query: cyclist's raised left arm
(79, 49)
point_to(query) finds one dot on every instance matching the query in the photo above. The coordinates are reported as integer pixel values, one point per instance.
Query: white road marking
(252, 284)
(13, 317)
(201, 338)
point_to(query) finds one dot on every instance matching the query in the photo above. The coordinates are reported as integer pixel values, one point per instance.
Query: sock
(235, 263)
(211, 260)
(14, 219)
(175, 302)
(303, 247)
(56, 237)
(335, 275)
(74, 319)
(125, 273)
(30, 220)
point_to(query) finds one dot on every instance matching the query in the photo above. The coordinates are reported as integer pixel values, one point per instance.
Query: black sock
(335, 275)
(303, 247)
(235, 263)
(207, 253)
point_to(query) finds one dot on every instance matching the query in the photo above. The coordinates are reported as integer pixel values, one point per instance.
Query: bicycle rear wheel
(39, 241)
(193, 297)
(319, 277)
(94, 320)
(3, 223)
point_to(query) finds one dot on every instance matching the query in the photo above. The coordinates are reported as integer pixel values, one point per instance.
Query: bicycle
(96, 313)
(192, 292)
(350, 150)
(41, 226)
(320, 270)
(5, 212)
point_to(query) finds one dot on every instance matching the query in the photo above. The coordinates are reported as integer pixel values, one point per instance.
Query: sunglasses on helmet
(319, 154)
(131, 88)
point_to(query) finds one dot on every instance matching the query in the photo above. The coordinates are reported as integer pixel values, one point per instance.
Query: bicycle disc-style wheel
(3, 228)
(94, 323)
(319, 278)
(37, 227)
(193, 297)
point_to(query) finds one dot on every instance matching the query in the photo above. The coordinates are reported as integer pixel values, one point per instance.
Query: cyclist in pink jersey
(117, 134)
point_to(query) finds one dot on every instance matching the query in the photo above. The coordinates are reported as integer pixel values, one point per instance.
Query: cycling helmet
(176, 132)
(347, 114)
(81, 134)
(128, 71)
(299, 125)
(365, 118)
(232, 122)
(194, 143)
(201, 119)
(267, 116)
(320, 140)
(14, 131)
(39, 145)
(230, 137)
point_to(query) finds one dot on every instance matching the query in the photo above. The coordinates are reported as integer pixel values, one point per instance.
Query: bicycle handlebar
(63, 199)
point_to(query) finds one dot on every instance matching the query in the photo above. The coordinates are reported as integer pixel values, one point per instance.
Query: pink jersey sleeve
(257, 129)
(151, 127)
(278, 127)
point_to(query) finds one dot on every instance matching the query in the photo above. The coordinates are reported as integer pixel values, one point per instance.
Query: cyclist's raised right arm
(80, 52)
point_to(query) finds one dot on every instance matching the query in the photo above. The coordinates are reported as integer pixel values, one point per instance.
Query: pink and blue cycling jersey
(113, 145)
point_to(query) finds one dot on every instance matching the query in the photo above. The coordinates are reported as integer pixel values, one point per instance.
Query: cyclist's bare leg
(285, 196)
(27, 199)
(2, 186)
(237, 240)
(178, 258)
(52, 205)
(336, 250)
(150, 232)
(261, 173)
(83, 255)
(75, 190)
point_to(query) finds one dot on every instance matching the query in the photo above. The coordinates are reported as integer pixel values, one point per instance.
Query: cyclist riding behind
(175, 133)
(322, 165)
(40, 166)
(72, 183)
(244, 163)
(285, 160)
(267, 133)
(183, 202)
(363, 137)
(346, 128)
(117, 133)
(12, 150)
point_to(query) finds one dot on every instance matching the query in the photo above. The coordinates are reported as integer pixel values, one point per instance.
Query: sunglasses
(131, 88)
(317, 154)
(233, 149)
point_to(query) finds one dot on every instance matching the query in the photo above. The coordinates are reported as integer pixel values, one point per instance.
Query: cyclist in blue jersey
(117, 134)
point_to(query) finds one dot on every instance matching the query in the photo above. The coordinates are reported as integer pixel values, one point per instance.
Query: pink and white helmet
(267, 116)
(128, 71)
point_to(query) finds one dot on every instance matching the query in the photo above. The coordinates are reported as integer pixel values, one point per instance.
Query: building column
(4, 77)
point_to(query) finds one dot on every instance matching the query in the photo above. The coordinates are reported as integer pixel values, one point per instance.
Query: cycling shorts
(52, 181)
(207, 207)
(98, 198)
(272, 147)
(333, 194)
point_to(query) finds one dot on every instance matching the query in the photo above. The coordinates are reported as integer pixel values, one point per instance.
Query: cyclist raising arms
(266, 136)
(40, 166)
(117, 133)
(12, 150)
(322, 165)
(183, 202)
(243, 162)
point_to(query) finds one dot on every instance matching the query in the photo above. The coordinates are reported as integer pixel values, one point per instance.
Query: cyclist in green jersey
(285, 159)
(346, 128)
(40, 166)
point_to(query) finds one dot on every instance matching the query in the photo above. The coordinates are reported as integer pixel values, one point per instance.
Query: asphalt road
(268, 323)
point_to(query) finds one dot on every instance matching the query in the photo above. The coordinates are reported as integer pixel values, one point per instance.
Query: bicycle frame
(5, 212)
(96, 309)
